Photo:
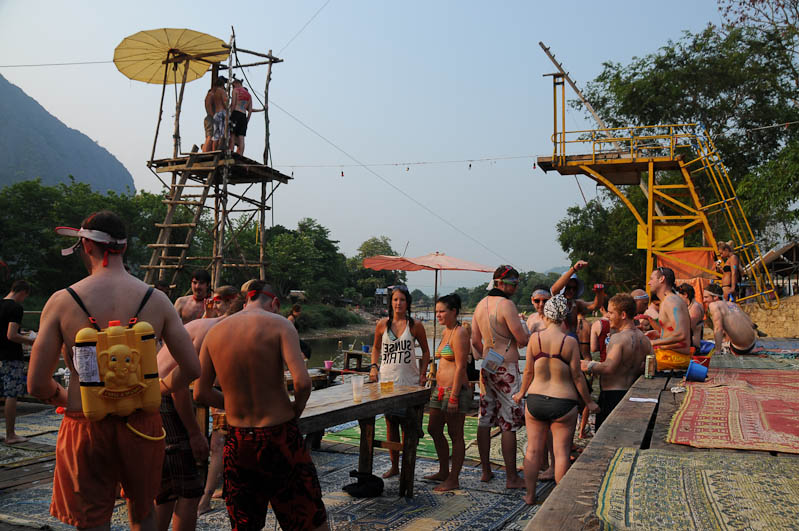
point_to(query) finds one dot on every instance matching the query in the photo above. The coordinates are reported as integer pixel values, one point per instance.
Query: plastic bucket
(365, 348)
(328, 364)
(696, 372)
(705, 347)
(704, 361)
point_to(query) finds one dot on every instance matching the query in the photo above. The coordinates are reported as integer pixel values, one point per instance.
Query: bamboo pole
(160, 111)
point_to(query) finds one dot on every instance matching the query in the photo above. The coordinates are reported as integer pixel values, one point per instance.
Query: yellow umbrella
(142, 56)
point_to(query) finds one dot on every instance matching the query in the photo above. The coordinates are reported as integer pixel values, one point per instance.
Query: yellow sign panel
(666, 237)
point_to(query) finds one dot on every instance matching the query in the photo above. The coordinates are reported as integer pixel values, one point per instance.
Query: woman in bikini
(395, 351)
(553, 380)
(731, 272)
(452, 394)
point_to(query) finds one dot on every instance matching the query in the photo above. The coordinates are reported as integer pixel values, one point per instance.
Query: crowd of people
(234, 344)
(563, 355)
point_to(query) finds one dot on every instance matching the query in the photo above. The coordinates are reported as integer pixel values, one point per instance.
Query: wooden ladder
(160, 259)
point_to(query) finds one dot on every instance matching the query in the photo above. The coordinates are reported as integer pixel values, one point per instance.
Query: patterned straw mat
(426, 447)
(657, 489)
(745, 409)
(476, 505)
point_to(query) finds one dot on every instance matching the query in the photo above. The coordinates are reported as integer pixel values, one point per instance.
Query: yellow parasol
(149, 56)
(145, 56)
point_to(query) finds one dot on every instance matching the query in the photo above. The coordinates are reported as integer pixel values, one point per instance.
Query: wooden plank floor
(572, 504)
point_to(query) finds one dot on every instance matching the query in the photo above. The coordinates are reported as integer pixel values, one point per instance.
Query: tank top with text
(398, 358)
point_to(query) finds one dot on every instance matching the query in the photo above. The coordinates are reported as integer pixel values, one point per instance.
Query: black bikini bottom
(741, 352)
(547, 408)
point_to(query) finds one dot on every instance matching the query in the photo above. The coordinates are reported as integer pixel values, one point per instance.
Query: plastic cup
(696, 372)
(328, 364)
(386, 386)
(365, 348)
(357, 388)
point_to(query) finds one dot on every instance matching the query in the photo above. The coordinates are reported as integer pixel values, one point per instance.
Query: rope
(144, 435)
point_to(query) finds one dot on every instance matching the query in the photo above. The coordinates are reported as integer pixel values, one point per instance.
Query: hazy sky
(385, 82)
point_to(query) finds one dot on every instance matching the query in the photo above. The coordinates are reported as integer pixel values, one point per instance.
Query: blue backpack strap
(92, 320)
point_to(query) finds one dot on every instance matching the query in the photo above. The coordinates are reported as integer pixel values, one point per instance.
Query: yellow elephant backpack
(117, 367)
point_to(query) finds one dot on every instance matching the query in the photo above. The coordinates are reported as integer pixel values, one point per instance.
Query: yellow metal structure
(616, 157)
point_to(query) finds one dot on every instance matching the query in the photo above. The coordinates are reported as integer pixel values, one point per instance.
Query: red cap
(114, 323)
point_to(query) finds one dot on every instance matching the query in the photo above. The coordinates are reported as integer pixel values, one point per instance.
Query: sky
(389, 84)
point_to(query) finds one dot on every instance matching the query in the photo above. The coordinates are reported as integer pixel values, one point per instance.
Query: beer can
(651, 366)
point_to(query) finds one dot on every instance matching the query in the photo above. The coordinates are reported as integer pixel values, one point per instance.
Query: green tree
(604, 234)
(30, 211)
(366, 281)
(332, 277)
(420, 297)
(737, 84)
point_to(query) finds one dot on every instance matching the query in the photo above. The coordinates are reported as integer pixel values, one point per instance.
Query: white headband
(89, 234)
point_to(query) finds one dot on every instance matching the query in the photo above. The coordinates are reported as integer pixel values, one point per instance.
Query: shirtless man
(696, 312)
(496, 320)
(181, 482)
(627, 351)
(728, 318)
(215, 102)
(673, 347)
(641, 300)
(540, 296)
(240, 112)
(572, 287)
(265, 457)
(193, 306)
(92, 457)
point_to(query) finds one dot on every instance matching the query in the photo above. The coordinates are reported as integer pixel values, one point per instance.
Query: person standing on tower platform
(240, 104)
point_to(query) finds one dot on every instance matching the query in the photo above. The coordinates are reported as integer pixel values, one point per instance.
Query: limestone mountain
(36, 144)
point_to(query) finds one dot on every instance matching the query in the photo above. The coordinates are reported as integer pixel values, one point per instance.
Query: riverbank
(352, 330)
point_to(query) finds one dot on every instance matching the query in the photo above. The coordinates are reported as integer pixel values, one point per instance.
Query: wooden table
(334, 406)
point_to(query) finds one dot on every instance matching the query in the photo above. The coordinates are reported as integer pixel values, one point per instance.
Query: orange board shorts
(671, 360)
(93, 457)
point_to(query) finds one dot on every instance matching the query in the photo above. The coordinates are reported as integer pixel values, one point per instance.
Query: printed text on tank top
(494, 330)
(543, 354)
(398, 358)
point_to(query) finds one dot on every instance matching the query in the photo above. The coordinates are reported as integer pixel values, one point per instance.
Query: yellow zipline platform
(615, 157)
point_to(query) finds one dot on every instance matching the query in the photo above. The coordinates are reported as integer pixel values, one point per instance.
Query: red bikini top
(543, 354)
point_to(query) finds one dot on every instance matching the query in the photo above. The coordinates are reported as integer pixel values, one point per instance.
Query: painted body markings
(676, 325)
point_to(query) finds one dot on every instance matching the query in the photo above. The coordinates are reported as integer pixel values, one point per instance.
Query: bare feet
(487, 476)
(529, 499)
(514, 483)
(217, 494)
(393, 471)
(439, 476)
(447, 486)
(548, 474)
(14, 439)
(202, 509)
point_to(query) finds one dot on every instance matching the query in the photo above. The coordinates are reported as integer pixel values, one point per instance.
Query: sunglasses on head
(399, 287)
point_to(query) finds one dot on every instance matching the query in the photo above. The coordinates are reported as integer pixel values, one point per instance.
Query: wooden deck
(242, 169)
(572, 504)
